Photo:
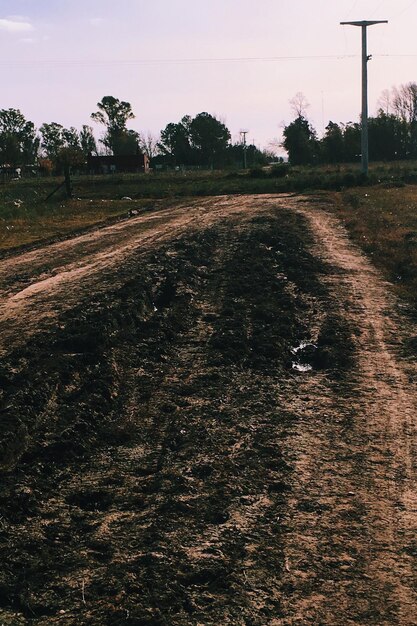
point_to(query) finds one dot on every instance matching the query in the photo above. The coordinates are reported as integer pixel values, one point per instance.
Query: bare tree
(299, 104)
(404, 102)
(385, 101)
(274, 145)
(149, 143)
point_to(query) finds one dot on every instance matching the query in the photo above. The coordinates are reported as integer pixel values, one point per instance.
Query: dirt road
(206, 419)
(36, 286)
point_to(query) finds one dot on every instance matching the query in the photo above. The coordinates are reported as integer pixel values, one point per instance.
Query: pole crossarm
(364, 23)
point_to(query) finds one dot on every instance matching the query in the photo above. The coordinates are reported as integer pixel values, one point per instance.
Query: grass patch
(382, 220)
(26, 216)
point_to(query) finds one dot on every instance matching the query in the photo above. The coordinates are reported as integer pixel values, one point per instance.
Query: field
(208, 403)
(383, 221)
(381, 216)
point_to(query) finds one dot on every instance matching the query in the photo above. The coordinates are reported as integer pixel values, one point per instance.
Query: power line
(352, 8)
(106, 62)
(404, 9)
(394, 56)
(378, 7)
(144, 62)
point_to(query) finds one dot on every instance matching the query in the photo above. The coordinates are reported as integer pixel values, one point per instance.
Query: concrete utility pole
(244, 133)
(365, 58)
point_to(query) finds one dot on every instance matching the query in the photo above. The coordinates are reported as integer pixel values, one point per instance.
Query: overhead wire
(378, 8)
(404, 10)
(401, 56)
(190, 61)
(106, 62)
(352, 8)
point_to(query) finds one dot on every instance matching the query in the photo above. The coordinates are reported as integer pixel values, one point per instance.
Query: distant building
(9, 172)
(135, 163)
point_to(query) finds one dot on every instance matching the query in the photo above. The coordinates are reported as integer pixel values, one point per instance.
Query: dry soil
(207, 418)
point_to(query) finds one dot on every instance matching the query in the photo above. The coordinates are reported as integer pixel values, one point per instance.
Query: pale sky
(231, 58)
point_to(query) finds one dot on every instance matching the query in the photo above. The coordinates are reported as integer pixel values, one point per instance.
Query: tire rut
(354, 561)
(168, 464)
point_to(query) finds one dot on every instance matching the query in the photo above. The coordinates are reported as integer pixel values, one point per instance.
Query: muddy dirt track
(207, 418)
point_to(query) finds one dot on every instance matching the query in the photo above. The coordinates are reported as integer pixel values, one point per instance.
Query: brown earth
(207, 418)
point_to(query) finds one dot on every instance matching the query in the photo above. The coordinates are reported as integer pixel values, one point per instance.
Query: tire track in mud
(352, 545)
(152, 488)
(167, 464)
(39, 285)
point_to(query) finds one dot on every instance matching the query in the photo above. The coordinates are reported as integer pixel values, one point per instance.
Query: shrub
(280, 171)
(349, 179)
(257, 172)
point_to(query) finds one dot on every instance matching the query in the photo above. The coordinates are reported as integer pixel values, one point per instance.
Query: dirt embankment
(205, 420)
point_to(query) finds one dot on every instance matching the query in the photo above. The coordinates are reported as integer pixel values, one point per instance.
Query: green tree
(202, 140)
(19, 143)
(114, 115)
(52, 139)
(175, 142)
(388, 137)
(69, 158)
(210, 138)
(87, 141)
(300, 141)
(58, 141)
(333, 145)
(352, 141)
(254, 156)
(126, 143)
(71, 138)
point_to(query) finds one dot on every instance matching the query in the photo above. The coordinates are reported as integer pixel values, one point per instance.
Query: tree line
(22, 144)
(392, 132)
(202, 141)
(205, 140)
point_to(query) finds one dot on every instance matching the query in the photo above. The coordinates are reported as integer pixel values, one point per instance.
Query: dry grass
(26, 217)
(72, 216)
(383, 221)
(381, 218)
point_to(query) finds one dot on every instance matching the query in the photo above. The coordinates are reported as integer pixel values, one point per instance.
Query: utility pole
(244, 133)
(365, 58)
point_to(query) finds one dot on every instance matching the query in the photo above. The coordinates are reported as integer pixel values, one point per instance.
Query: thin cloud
(13, 25)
